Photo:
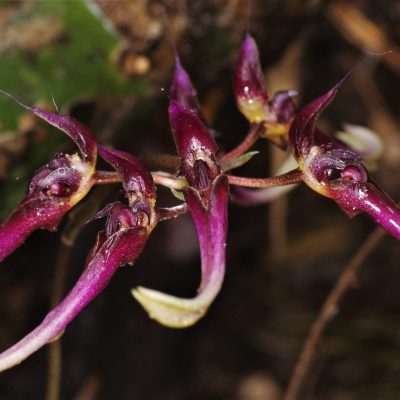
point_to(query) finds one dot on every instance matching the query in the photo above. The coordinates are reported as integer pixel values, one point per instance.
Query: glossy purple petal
(282, 105)
(211, 225)
(249, 83)
(355, 197)
(123, 247)
(79, 133)
(195, 145)
(136, 178)
(302, 129)
(190, 133)
(29, 216)
(182, 90)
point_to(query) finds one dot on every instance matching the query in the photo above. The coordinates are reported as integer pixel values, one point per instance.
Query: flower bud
(249, 83)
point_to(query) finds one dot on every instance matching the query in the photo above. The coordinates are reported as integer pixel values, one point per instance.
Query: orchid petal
(136, 178)
(29, 216)
(189, 130)
(123, 247)
(211, 226)
(302, 129)
(249, 84)
(355, 197)
(364, 141)
(78, 132)
(283, 106)
(195, 145)
(182, 90)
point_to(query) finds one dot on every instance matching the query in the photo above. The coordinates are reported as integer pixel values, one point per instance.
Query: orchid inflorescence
(204, 184)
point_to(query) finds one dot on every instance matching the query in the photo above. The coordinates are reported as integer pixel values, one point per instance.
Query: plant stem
(328, 311)
(168, 180)
(172, 212)
(294, 176)
(246, 144)
(106, 177)
(55, 350)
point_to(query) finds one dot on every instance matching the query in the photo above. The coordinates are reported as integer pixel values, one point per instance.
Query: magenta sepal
(195, 146)
(303, 130)
(182, 90)
(190, 133)
(30, 215)
(249, 82)
(79, 133)
(122, 247)
(136, 178)
(355, 197)
(211, 225)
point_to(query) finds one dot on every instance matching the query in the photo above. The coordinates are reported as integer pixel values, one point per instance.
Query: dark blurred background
(106, 62)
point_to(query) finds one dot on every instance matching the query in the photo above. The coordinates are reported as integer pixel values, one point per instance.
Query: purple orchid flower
(55, 188)
(207, 199)
(337, 172)
(253, 99)
(127, 230)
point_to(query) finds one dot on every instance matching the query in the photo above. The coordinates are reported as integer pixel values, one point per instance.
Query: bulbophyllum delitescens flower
(335, 171)
(206, 195)
(127, 229)
(55, 188)
(252, 98)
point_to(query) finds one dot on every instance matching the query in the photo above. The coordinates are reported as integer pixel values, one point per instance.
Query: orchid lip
(211, 226)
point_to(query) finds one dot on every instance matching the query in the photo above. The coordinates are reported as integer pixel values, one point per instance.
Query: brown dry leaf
(363, 33)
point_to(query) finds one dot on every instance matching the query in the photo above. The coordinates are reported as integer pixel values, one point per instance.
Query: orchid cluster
(204, 184)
